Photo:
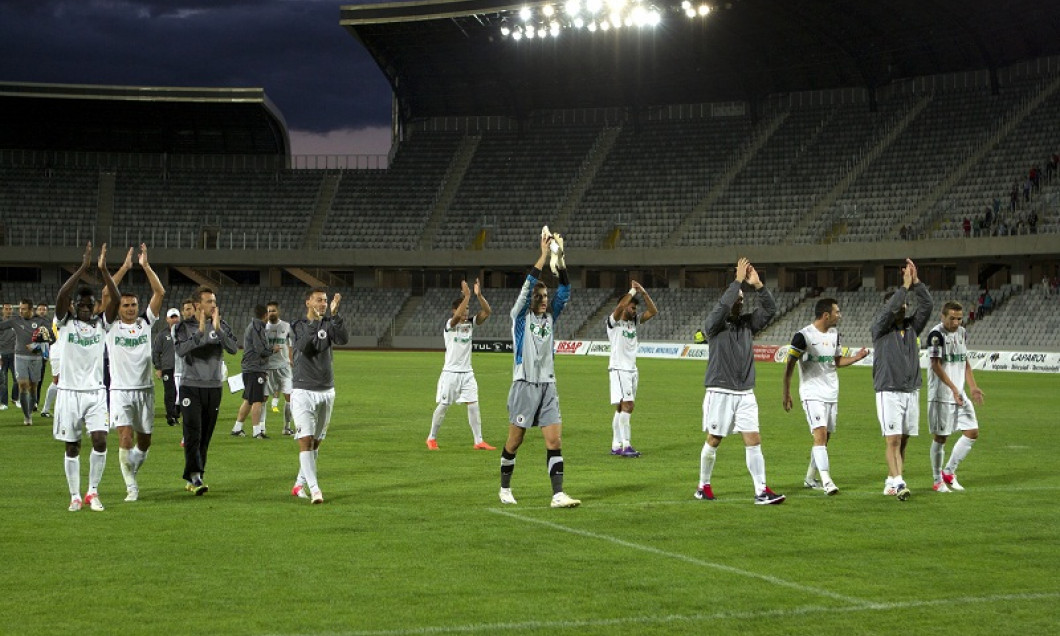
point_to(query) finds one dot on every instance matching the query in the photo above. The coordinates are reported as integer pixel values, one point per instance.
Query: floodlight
(592, 27)
(548, 10)
(594, 6)
(578, 22)
(573, 7)
(505, 31)
(690, 12)
(654, 17)
(704, 9)
(517, 35)
(605, 25)
(525, 14)
(686, 5)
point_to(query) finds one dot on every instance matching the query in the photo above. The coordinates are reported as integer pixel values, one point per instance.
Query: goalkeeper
(533, 400)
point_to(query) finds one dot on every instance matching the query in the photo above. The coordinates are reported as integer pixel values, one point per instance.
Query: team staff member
(256, 353)
(729, 404)
(201, 344)
(896, 373)
(313, 398)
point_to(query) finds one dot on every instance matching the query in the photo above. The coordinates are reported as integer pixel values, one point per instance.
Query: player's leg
(444, 395)
(968, 424)
(191, 411)
(66, 428)
(49, 398)
(717, 423)
(615, 382)
(302, 409)
(212, 403)
(307, 453)
(95, 415)
(553, 434)
(822, 419)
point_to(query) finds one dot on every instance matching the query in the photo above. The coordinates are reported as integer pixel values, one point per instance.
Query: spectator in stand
(1027, 191)
(1032, 177)
(967, 225)
(1032, 222)
(1014, 195)
(988, 303)
(1055, 284)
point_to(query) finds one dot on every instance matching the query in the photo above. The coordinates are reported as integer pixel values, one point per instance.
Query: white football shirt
(279, 334)
(458, 346)
(622, 334)
(816, 353)
(83, 348)
(952, 349)
(129, 348)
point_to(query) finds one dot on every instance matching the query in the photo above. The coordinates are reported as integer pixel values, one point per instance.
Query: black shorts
(254, 386)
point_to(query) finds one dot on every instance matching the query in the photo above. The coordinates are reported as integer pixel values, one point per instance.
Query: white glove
(556, 260)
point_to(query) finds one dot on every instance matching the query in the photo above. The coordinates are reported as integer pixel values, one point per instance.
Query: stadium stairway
(592, 324)
(329, 185)
(408, 310)
(826, 203)
(919, 217)
(739, 162)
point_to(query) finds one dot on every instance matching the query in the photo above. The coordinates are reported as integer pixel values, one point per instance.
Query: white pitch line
(690, 618)
(687, 559)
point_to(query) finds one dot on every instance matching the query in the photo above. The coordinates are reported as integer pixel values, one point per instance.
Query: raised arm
(767, 305)
(650, 310)
(465, 293)
(110, 289)
(158, 292)
(62, 301)
(118, 276)
(484, 311)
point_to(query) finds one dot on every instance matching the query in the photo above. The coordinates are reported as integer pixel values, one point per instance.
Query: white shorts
(725, 413)
(945, 418)
(456, 388)
(623, 385)
(278, 380)
(311, 411)
(899, 413)
(133, 407)
(77, 412)
(820, 414)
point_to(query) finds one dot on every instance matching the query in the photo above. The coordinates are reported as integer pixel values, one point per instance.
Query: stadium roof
(449, 57)
(141, 119)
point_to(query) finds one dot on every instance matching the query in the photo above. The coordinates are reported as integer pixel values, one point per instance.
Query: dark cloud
(319, 76)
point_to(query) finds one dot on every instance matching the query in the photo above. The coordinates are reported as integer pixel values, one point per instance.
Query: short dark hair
(198, 293)
(315, 290)
(259, 311)
(272, 303)
(84, 291)
(951, 305)
(26, 301)
(187, 300)
(130, 295)
(823, 306)
(456, 303)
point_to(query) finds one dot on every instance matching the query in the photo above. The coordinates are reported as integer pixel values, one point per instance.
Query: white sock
(275, 402)
(437, 418)
(257, 429)
(938, 454)
(96, 463)
(136, 458)
(238, 427)
(820, 458)
(126, 469)
(623, 425)
(616, 432)
(811, 470)
(261, 418)
(49, 399)
(897, 479)
(756, 465)
(72, 466)
(706, 463)
(287, 419)
(960, 451)
(474, 419)
(308, 461)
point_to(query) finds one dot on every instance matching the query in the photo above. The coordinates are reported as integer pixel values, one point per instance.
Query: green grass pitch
(416, 542)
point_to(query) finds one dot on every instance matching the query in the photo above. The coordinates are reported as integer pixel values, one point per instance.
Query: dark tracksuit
(200, 386)
(162, 357)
